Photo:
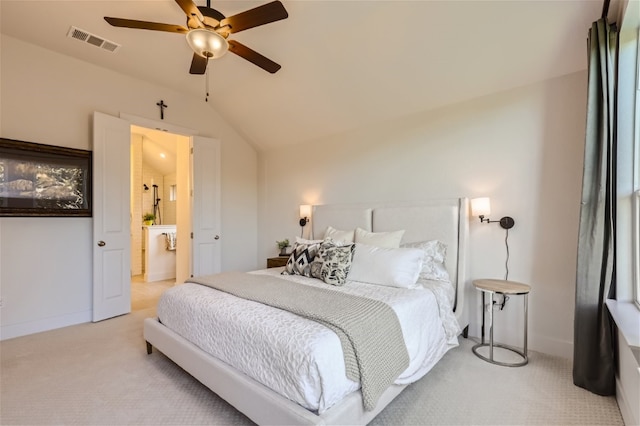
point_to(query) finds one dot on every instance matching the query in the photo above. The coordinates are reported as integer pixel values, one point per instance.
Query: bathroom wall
(150, 177)
(168, 205)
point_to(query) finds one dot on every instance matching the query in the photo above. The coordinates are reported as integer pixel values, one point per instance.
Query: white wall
(523, 148)
(45, 267)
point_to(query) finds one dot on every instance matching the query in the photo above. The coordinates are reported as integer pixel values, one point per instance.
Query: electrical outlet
(496, 306)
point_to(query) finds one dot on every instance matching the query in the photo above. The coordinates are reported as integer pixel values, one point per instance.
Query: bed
(341, 401)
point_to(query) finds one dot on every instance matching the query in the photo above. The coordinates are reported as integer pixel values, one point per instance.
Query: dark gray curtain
(593, 354)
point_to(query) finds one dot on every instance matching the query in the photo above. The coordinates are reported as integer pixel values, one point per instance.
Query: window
(628, 164)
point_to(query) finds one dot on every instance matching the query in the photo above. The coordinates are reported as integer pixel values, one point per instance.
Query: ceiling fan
(207, 31)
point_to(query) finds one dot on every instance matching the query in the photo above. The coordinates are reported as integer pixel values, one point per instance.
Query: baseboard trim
(31, 327)
(551, 346)
(544, 344)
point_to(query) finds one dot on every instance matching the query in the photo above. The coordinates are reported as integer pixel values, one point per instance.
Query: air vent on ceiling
(92, 39)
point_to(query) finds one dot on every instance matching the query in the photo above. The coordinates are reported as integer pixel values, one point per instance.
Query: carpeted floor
(100, 374)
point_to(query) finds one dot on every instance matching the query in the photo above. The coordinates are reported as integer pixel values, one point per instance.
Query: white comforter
(299, 358)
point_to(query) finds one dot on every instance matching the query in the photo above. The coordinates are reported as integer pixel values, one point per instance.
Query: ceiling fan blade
(260, 15)
(190, 9)
(253, 56)
(198, 64)
(144, 25)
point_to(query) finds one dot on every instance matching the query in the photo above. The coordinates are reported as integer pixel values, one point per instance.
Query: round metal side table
(490, 287)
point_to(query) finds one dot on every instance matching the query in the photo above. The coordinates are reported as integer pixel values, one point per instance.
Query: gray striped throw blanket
(374, 349)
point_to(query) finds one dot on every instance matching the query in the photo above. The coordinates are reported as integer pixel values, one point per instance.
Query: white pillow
(433, 267)
(399, 267)
(338, 235)
(379, 239)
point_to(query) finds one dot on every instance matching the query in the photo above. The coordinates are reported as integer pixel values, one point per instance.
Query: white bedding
(299, 358)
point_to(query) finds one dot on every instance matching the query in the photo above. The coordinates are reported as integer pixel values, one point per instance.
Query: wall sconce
(481, 207)
(305, 212)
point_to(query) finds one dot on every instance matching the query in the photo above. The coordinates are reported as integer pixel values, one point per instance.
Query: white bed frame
(445, 220)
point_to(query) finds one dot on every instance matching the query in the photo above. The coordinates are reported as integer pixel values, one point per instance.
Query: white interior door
(183, 211)
(206, 206)
(111, 245)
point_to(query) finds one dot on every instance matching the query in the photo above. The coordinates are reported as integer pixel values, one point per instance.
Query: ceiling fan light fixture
(207, 43)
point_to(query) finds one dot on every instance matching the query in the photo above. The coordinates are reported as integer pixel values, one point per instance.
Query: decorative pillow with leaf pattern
(316, 265)
(333, 262)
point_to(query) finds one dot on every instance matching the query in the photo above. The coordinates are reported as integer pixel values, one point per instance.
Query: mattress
(299, 358)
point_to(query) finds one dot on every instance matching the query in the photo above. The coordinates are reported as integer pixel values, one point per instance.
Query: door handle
(217, 237)
(101, 243)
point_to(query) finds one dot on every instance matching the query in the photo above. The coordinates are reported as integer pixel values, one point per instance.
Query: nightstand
(488, 286)
(275, 262)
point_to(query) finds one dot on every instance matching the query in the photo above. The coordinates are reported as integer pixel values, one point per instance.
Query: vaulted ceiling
(345, 64)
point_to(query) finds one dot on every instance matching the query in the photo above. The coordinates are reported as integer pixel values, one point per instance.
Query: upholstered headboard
(340, 216)
(446, 220)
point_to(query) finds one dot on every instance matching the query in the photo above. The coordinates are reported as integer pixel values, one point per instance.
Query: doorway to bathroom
(156, 200)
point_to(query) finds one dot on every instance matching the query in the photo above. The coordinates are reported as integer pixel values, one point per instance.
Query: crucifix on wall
(162, 106)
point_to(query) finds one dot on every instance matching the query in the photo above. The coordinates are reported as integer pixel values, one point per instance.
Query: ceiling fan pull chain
(206, 84)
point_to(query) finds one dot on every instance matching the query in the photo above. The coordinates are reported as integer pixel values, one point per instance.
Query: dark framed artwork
(44, 180)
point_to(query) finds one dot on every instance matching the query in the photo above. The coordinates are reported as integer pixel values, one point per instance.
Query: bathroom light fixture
(305, 212)
(481, 207)
(207, 43)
